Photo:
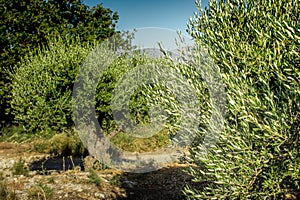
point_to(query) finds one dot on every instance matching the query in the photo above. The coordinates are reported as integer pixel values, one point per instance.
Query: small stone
(113, 195)
(99, 195)
(32, 173)
(129, 184)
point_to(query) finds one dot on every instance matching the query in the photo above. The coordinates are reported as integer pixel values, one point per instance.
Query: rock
(99, 195)
(32, 173)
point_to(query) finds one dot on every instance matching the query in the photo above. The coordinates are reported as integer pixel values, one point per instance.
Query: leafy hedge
(26, 25)
(42, 89)
(42, 86)
(255, 43)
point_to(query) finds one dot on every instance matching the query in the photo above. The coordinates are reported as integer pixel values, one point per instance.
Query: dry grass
(63, 144)
(134, 144)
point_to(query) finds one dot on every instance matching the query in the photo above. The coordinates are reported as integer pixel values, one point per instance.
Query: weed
(3, 191)
(5, 194)
(40, 191)
(94, 178)
(115, 180)
(51, 180)
(19, 168)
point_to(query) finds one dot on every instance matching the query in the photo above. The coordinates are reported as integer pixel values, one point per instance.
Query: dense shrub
(25, 26)
(151, 93)
(255, 43)
(43, 83)
(107, 84)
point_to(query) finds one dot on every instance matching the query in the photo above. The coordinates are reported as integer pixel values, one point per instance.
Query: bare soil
(67, 178)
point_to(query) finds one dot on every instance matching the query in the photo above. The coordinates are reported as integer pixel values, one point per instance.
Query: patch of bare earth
(76, 183)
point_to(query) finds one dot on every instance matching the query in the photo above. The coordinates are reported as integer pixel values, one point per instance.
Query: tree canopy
(26, 25)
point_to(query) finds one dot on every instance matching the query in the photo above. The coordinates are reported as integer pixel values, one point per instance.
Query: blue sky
(171, 14)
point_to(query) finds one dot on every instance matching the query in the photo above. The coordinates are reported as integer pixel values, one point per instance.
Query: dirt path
(70, 180)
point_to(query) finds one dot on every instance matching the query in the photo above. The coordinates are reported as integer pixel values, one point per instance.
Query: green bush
(42, 86)
(94, 178)
(25, 26)
(255, 43)
(107, 84)
(147, 95)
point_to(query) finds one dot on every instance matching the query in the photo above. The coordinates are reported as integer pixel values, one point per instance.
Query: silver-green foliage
(43, 84)
(256, 45)
(146, 75)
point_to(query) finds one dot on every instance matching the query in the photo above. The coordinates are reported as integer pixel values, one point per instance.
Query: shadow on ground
(166, 183)
(57, 164)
